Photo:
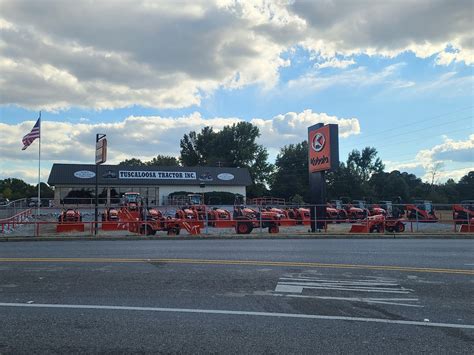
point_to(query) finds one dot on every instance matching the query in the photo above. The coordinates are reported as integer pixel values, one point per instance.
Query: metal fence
(12, 208)
(21, 219)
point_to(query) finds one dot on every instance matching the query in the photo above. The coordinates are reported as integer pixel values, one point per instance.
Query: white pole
(39, 168)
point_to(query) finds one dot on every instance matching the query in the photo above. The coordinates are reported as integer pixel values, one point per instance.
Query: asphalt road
(237, 296)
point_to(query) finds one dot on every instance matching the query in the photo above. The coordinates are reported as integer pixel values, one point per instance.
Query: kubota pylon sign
(323, 144)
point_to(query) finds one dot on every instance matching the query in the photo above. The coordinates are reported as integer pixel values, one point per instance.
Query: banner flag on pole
(35, 133)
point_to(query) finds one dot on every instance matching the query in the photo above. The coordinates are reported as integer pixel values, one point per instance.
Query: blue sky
(408, 91)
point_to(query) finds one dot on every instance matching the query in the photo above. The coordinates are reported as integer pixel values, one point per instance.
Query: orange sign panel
(319, 149)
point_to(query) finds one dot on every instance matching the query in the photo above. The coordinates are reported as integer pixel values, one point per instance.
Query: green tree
(344, 182)
(365, 163)
(163, 160)
(46, 190)
(7, 193)
(389, 186)
(15, 189)
(465, 186)
(233, 146)
(132, 162)
(199, 148)
(291, 172)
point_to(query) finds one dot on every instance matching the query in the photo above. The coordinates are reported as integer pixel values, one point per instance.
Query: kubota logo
(318, 142)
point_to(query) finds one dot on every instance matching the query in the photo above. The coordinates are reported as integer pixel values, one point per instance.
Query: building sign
(225, 176)
(84, 174)
(157, 175)
(206, 176)
(109, 174)
(101, 150)
(323, 147)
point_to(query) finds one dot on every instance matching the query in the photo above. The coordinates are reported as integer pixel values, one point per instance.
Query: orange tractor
(110, 214)
(463, 212)
(391, 211)
(70, 216)
(131, 201)
(378, 224)
(356, 211)
(422, 211)
(246, 219)
(194, 208)
(377, 210)
(301, 215)
(216, 214)
(335, 212)
(70, 220)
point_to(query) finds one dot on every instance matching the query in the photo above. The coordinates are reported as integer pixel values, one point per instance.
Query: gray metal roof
(84, 174)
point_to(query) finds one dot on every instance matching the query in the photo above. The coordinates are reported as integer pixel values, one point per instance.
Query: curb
(241, 237)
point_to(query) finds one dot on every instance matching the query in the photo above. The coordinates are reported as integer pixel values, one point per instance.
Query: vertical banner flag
(35, 133)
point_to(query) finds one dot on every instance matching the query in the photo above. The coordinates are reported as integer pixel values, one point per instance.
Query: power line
(417, 122)
(370, 141)
(411, 140)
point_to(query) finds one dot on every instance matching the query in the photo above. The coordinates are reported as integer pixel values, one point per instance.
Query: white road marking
(241, 313)
(297, 287)
(331, 284)
(288, 288)
(293, 285)
(361, 299)
(339, 282)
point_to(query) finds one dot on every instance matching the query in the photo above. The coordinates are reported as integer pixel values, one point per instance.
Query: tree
(163, 160)
(365, 163)
(389, 186)
(233, 146)
(159, 160)
(291, 175)
(132, 162)
(199, 148)
(46, 190)
(15, 189)
(465, 186)
(344, 182)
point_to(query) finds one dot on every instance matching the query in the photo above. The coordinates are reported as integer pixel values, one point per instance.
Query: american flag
(35, 133)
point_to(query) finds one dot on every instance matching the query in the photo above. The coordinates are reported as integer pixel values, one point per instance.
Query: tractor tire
(146, 230)
(400, 227)
(375, 229)
(243, 227)
(173, 231)
(273, 229)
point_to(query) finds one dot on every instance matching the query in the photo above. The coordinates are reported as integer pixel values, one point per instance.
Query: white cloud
(142, 137)
(292, 127)
(449, 150)
(449, 153)
(335, 63)
(108, 54)
(389, 28)
(357, 77)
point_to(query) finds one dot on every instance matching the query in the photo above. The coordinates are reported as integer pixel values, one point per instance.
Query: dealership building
(73, 181)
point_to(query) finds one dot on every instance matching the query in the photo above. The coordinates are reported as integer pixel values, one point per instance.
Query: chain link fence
(21, 218)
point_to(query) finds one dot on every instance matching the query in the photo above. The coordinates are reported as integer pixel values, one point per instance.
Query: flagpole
(39, 168)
